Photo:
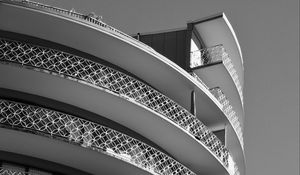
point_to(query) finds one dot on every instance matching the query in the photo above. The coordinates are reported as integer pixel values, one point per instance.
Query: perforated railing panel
(4, 171)
(227, 109)
(206, 56)
(88, 134)
(11, 169)
(229, 112)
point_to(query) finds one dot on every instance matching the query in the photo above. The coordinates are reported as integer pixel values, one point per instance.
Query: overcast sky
(268, 32)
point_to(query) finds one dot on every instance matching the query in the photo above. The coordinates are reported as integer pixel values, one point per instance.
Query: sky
(268, 32)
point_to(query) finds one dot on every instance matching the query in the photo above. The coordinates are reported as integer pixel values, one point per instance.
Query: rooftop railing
(90, 19)
(214, 54)
(97, 75)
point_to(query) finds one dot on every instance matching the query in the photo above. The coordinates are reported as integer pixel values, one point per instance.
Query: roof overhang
(215, 30)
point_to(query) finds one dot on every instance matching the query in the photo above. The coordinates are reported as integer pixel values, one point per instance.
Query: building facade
(78, 96)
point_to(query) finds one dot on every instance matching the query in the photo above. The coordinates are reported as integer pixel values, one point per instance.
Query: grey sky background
(268, 32)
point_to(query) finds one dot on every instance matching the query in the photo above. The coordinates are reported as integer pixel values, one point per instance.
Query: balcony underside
(132, 115)
(61, 152)
(150, 66)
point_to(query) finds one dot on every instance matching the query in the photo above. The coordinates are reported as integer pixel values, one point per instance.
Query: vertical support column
(193, 103)
(226, 135)
(188, 47)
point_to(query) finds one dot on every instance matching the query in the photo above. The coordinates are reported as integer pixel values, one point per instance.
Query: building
(81, 97)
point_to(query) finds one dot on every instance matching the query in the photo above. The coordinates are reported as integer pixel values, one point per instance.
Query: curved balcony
(99, 76)
(235, 141)
(227, 109)
(90, 135)
(232, 143)
(159, 67)
(213, 55)
(60, 26)
(214, 68)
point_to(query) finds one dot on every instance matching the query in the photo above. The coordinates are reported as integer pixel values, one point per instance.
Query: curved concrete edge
(188, 150)
(234, 36)
(64, 153)
(233, 143)
(240, 53)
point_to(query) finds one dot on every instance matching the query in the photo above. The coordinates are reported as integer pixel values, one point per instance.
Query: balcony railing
(214, 54)
(7, 171)
(229, 112)
(87, 134)
(206, 56)
(226, 108)
(97, 75)
(16, 169)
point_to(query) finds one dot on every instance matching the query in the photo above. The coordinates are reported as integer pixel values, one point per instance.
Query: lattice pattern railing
(4, 171)
(230, 68)
(214, 54)
(19, 170)
(227, 109)
(90, 19)
(229, 112)
(205, 56)
(93, 73)
(88, 134)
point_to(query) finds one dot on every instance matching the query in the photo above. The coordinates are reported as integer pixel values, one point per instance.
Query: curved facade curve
(203, 116)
